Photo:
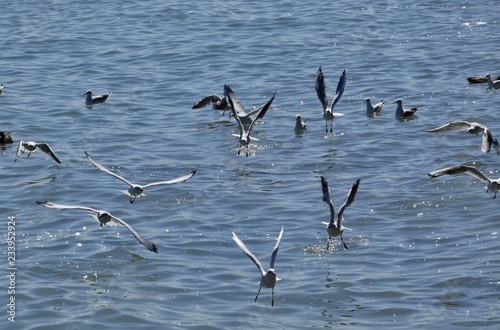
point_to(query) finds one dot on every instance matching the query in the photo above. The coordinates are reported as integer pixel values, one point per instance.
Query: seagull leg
(342, 239)
(257, 293)
(132, 198)
(272, 299)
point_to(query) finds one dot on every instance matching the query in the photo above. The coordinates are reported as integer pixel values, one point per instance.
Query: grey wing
(262, 112)
(327, 199)
(207, 100)
(230, 95)
(453, 170)
(235, 102)
(451, 126)
(150, 246)
(349, 200)
(66, 207)
(488, 141)
(340, 89)
(276, 248)
(48, 150)
(176, 180)
(102, 168)
(321, 89)
(250, 255)
(20, 148)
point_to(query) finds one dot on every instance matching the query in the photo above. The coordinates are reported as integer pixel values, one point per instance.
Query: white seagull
(492, 84)
(244, 131)
(136, 190)
(267, 279)
(335, 228)
(103, 217)
(471, 128)
(371, 109)
(300, 124)
(400, 112)
(91, 100)
(31, 146)
(492, 184)
(328, 113)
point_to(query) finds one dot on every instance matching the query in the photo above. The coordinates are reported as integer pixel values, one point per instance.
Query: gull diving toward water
(328, 113)
(371, 109)
(405, 113)
(472, 128)
(136, 190)
(492, 84)
(300, 124)
(335, 228)
(244, 131)
(91, 100)
(31, 146)
(492, 185)
(5, 138)
(104, 217)
(267, 279)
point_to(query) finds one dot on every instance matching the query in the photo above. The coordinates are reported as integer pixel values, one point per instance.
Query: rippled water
(422, 252)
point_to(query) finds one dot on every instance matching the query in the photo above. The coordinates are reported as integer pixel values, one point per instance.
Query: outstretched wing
(235, 102)
(453, 170)
(102, 168)
(276, 248)
(66, 207)
(48, 150)
(176, 180)
(207, 100)
(262, 112)
(348, 202)
(248, 253)
(340, 89)
(488, 141)
(327, 199)
(150, 246)
(20, 148)
(321, 89)
(451, 126)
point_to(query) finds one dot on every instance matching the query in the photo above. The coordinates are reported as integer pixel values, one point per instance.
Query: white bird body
(136, 190)
(334, 227)
(237, 107)
(492, 84)
(401, 112)
(268, 278)
(492, 185)
(371, 109)
(91, 100)
(328, 113)
(31, 146)
(103, 217)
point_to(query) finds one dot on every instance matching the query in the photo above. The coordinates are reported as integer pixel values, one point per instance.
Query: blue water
(423, 253)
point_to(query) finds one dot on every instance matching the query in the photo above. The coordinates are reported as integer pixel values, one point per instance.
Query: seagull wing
(487, 141)
(453, 170)
(349, 200)
(321, 89)
(249, 254)
(235, 102)
(340, 89)
(230, 96)
(102, 168)
(207, 100)
(451, 126)
(276, 248)
(66, 207)
(48, 150)
(20, 148)
(150, 246)
(327, 199)
(262, 112)
(176, 180)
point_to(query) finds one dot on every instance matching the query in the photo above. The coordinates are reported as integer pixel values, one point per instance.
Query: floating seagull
(136, 190)
(495, 84)
(400, 112)
(492, 185)
(371, 109)
(245, 132)
(471, 128)
(267, 279)
(335, 228)
(91, 100)
(5, 138)
(104, 217)
(479, 80)
(299, 123)
(218, 103)
(31, 146)
(328, 113)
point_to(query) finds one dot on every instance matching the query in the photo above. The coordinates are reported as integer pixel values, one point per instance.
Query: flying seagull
(328, 113)
(31, 146)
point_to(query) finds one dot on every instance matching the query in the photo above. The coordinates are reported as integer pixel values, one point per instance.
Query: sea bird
(217, 102)
(300, 124)
(328, 113)
(371, 109)
(5, 138)
(400, 112)
(268, 278)
(103, 217)
(492, 84)
(136, 190)
(91, 100)
(31, 146)
(334, 227)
